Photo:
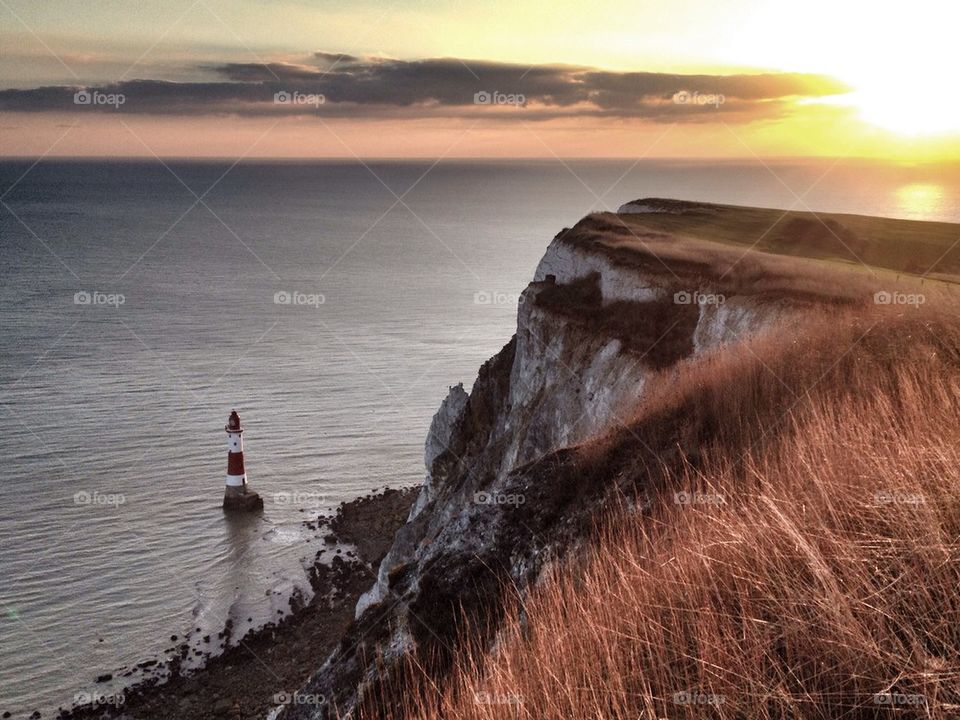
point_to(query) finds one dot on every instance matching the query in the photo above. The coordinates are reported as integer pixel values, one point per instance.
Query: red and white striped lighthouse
(237, 495)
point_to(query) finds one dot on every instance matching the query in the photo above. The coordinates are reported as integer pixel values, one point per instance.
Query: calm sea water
(112, 414)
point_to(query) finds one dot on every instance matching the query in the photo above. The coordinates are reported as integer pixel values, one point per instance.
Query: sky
(504, 78)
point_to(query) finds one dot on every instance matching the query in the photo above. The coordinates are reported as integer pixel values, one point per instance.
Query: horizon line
(478, 159)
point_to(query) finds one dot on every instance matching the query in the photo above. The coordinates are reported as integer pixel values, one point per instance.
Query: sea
(332, 304)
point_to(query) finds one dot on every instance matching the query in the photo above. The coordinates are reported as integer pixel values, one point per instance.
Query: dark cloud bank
(339, 85)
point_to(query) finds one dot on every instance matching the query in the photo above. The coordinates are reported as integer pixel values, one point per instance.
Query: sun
(919, 109)
(897, 58)
(903, 84)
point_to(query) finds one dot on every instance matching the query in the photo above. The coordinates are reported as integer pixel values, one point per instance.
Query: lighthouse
(238, 495)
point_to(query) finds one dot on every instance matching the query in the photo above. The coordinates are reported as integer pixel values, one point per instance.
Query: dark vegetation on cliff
(661, 331)
(775, 534)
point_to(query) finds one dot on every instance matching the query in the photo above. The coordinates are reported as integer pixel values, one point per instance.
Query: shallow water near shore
(330, 314)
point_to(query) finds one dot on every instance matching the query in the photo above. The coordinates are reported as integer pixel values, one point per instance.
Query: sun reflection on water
(920, 200)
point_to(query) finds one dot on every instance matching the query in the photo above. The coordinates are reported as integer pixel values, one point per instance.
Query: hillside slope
(617, 314)
(784, 542)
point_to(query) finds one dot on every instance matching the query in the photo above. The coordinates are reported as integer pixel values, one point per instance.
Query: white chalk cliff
(601, 324)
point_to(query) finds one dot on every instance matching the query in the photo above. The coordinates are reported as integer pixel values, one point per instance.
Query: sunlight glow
(918, 199)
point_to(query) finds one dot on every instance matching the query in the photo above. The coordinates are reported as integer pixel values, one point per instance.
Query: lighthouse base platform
(241, 499)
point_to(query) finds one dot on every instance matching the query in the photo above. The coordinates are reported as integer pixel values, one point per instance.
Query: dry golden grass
(806, 565)
(899, 245)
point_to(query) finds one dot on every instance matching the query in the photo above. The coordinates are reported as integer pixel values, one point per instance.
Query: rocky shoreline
(253, 677)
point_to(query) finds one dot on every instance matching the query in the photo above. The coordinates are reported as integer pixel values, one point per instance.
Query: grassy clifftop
(931, 248)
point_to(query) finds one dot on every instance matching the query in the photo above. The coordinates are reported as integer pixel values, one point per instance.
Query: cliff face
(602, 323)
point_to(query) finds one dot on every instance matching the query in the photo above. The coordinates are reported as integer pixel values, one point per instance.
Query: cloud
(353, 86)
(338, 58)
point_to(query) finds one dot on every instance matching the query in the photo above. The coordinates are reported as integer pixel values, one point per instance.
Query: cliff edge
(617, 304)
